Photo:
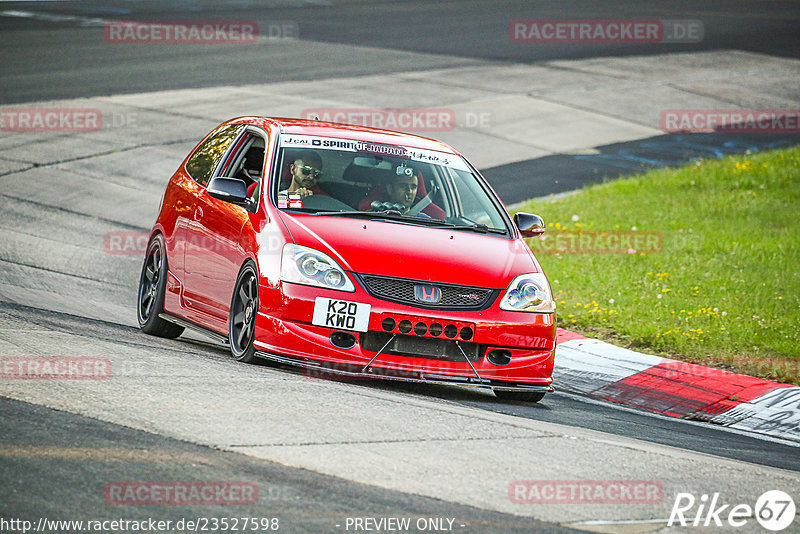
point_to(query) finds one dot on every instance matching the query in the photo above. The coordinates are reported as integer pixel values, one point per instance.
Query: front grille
(454, 297)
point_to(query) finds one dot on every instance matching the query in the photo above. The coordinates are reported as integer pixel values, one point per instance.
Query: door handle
(198, 213)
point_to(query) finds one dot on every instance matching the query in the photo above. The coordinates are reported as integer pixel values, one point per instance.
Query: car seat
(252, 166)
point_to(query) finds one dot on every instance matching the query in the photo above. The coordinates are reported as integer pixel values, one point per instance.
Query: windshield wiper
(367, 214)
(393, 216)
(480, 228)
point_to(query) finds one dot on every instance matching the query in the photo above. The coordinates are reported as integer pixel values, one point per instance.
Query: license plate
(341, 314)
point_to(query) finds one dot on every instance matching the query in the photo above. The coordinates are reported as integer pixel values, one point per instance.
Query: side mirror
(529, 225)
(230, 190)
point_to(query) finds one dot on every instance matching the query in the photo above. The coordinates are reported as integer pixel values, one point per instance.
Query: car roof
(346, 131)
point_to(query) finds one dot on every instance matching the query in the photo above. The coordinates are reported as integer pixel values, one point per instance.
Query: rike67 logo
(774, 510)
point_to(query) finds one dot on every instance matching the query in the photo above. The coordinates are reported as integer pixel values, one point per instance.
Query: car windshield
(347, 178)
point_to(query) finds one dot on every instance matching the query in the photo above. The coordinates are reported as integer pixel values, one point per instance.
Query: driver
(403, 190)
(399, 194)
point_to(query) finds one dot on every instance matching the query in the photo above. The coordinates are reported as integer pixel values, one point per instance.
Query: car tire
(242, 318)
(520, 396)
(152, 287)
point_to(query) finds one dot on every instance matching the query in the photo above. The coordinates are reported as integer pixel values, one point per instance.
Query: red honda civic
(350, 250)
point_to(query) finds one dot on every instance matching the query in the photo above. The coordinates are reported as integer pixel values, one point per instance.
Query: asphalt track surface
(53, 462)
(51, 450)
(85, 66)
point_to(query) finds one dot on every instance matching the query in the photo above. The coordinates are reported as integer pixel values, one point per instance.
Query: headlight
(529, 293)
(303, 265)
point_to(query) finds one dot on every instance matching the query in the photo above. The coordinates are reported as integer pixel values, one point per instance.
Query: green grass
(724, 290)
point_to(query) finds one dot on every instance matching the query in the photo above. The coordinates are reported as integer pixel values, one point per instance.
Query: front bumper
(284, 333)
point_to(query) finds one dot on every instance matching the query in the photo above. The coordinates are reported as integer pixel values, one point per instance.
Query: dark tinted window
(205, 159)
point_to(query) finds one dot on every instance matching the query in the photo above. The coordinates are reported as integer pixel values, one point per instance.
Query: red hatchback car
(351, 250)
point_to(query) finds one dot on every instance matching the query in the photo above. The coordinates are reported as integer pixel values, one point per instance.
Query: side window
(475, 204)
(246, 163)
(202, 163)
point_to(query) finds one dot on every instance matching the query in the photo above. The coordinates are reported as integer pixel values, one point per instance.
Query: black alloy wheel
(242, 320)
(152, 286)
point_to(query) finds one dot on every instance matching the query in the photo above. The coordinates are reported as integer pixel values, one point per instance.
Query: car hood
(414, 252)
